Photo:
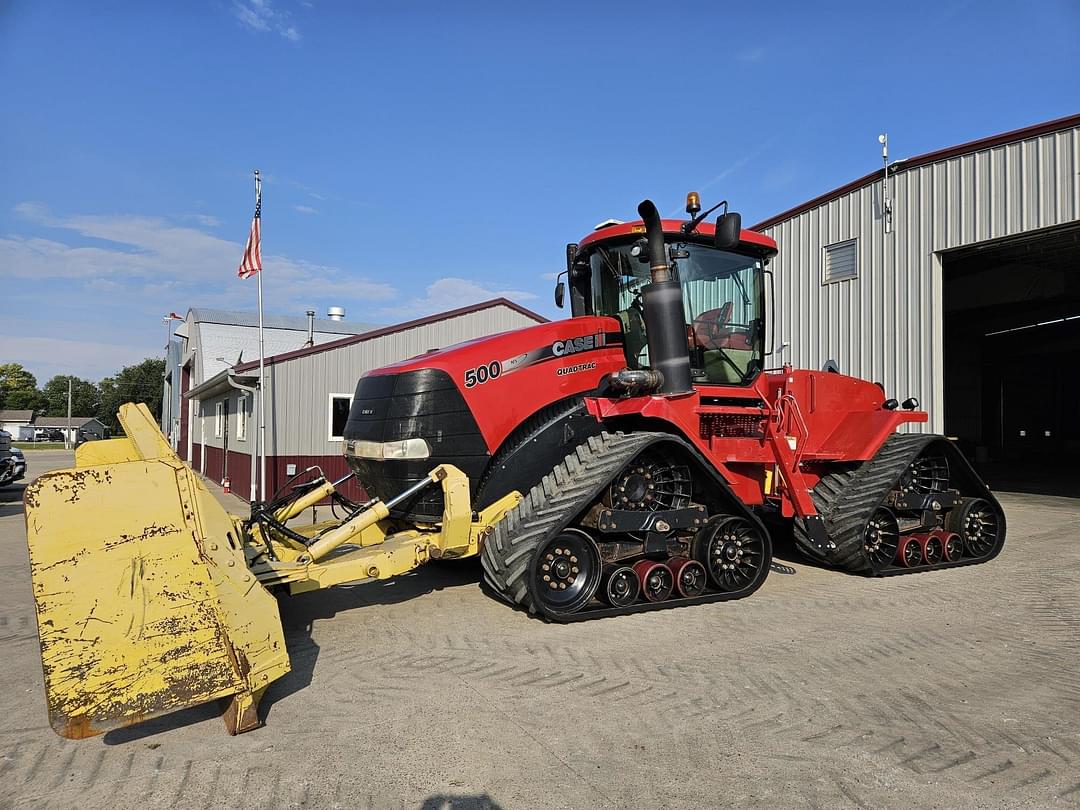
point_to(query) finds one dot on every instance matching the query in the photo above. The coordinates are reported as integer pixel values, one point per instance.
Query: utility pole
(68, 443)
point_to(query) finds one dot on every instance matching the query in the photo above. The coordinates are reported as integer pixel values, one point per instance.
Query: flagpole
(261, 448)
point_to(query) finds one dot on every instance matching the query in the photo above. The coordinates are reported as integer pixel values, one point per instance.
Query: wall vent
(841, 261)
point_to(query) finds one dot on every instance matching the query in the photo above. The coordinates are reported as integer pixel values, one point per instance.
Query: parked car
(84, 437)
(18, 465)
(7, 459)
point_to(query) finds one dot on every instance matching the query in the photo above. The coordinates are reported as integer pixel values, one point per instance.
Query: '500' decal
(481, 374)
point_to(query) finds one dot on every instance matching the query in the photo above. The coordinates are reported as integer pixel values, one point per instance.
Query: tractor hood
(462, 403)
(507, 377)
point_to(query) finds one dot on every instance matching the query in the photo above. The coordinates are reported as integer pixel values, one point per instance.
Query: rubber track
(846, 500)
(550, 506)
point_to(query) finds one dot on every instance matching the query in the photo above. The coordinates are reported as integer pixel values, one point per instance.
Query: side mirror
(560, 294)
(728, 230)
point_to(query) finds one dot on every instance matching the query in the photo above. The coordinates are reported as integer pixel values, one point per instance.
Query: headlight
(401, 449)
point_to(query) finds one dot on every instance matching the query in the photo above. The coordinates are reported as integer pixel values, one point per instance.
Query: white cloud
(450, 293)
(150, 255)
(205, 220)
(262, 16)
(305, 209)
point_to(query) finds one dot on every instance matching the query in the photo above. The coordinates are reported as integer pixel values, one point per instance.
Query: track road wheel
(932, 548)
(736, 553)
(566, 572)
(954, 547)
(620, 586)
(909, 553)
(976, 521)
(881, 539)
(656, 578)
(690, 577)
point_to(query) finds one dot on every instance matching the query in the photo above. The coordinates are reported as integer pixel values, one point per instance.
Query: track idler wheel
(954, 546)
(567, 572)
(620, 586)
(734, 551)
(881, 538)
(978, 525)
(909, 553)
(931, 547)
(656, 579)
(690, 576)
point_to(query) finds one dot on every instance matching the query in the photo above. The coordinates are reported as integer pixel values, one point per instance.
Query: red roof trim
(706, 229)
(1034, 131)
(390, 330)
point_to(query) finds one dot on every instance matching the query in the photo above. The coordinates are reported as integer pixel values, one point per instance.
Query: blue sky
(420, 156)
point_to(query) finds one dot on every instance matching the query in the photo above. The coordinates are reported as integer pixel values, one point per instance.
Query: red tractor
(629, 458)
(652, 445)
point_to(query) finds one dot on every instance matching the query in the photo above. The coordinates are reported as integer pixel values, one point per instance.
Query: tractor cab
(722, 281)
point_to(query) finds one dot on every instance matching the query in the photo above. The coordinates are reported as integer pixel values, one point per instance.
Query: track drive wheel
(736, 553)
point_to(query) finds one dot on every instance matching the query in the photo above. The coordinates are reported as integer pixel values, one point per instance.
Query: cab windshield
(722, 302)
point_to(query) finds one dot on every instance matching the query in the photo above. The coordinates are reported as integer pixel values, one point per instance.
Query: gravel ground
(949, 689)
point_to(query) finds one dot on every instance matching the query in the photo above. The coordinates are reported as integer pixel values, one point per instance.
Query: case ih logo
(561, 348)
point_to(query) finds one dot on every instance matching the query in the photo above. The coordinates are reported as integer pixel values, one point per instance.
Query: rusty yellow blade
(144, 602)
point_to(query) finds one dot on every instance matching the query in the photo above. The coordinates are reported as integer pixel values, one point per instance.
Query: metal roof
(16, 416)
(389, 330)
(906, 164)
(230, 317)
(62, 421)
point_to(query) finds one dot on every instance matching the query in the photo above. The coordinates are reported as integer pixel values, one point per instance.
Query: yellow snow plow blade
(151, 597)
(145, 603)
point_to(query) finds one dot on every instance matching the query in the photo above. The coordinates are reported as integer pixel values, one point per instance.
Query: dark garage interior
(1012, 345)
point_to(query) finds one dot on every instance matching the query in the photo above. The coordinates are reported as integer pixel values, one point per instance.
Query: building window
(241, 418)
(841, 261)
(339, 415)
(219, 419)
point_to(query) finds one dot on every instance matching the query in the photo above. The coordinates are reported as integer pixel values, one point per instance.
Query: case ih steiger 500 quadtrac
(629, 458)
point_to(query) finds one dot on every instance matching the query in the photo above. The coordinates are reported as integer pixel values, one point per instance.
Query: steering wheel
(712, 328)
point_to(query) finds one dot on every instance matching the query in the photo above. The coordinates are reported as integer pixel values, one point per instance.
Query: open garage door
(1012, 342)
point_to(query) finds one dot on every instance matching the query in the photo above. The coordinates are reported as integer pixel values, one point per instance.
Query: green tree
(85, 396)
(138, 383)
(18, 388)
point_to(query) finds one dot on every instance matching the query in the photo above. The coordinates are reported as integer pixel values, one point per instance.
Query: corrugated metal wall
(298, 389)
(886, 324)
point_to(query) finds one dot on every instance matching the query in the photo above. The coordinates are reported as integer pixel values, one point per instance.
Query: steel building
(211, 340)
(308, 394)
(956, 280)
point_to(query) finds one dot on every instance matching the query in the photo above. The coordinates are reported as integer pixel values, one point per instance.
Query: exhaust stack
(665, 321)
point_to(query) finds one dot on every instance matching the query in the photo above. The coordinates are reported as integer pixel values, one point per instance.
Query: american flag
(252, 261)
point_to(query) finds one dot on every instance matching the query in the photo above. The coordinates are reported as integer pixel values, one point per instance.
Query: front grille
(415, 404)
